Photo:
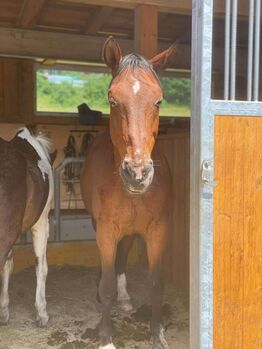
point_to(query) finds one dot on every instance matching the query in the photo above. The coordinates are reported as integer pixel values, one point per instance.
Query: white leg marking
(162, 338)
(123, 297)
(108, 346)
(4, 297)
(40, 235)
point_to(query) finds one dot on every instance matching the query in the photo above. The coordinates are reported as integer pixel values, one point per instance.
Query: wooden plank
(176, 147)
(27, 99)
(184, 6)
(146, 29)
(11, 90)
(252, 305)
(32, 43)
(29, 12)
(237, 233)
(35, 43)
(2, 115)
(98, 20)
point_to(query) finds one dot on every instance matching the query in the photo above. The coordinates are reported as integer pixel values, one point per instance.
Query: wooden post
(146, 30)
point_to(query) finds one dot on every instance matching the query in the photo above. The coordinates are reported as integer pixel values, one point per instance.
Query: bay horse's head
(135, 95)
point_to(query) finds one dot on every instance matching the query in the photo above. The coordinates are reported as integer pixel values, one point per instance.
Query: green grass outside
(44, 104)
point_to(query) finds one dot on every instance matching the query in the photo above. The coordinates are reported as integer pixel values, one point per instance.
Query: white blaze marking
(122, 294)
(136, 87)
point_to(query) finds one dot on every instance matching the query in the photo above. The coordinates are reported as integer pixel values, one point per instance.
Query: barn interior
(44, 38)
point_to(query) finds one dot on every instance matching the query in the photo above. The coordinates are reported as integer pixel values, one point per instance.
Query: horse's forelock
(135, 61)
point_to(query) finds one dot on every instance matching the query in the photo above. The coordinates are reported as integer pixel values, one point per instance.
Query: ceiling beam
(174, 6)
(40, 44)
(163, 5)
(29, 12)
(99, 19)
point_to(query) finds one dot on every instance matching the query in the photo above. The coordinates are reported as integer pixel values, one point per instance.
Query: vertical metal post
(257, 49)
(250, 50)
(227, 49)
(201, 201)
(233, 51)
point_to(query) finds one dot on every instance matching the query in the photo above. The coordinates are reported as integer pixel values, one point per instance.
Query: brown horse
(123, 190)
(26, 190)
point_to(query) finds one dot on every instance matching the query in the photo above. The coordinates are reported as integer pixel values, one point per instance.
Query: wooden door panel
(238, 233)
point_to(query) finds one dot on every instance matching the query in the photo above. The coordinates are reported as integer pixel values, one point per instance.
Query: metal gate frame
(203, 111)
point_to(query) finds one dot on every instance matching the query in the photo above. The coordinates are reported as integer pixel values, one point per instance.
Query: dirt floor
(73, 320)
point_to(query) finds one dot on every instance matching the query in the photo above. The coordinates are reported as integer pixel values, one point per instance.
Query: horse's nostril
(150, 162)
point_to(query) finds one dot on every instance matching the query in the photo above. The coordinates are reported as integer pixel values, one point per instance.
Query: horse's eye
(112, 102)
(158, 103)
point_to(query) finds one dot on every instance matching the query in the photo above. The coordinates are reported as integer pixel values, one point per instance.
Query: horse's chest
(131, 214)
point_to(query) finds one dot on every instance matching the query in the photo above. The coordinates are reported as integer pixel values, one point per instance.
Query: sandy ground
(73, 321)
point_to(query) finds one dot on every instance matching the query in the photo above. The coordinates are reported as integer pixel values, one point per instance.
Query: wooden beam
(171, 6)
(146, 28)
(33, 44)
(98, 21)
(29, 12)
(164, 5)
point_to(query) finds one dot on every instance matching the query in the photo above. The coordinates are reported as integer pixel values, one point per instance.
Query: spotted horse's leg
(123, 249)
(4, 296)
(40, 233)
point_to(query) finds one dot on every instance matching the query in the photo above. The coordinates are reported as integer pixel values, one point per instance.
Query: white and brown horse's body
(26, 191)
(126, 186)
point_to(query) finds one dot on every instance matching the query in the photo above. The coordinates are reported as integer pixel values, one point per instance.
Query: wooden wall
(176, 146)
(238, 233)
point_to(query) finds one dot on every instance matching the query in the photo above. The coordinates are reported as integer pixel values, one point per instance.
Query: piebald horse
(123, 190)
(26, 190)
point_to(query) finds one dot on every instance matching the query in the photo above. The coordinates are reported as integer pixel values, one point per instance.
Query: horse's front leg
(156, 244)
(107, 244)
(4, 297)
(123, 248)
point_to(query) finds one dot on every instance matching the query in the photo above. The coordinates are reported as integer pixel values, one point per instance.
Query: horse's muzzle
(137, 178)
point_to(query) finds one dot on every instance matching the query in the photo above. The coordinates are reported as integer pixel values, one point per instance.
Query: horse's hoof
(160, 341)
(4, 316)
(125, 305)
(42, 321)
(107, 346)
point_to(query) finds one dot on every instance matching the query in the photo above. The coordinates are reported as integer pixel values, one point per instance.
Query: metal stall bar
(233, 51)
(250, 50)
(57, 200)
(257, 49)
(201, 196)
(227, 49)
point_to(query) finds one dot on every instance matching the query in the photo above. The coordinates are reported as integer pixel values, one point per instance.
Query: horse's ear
(164, 59)
(111, 54)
